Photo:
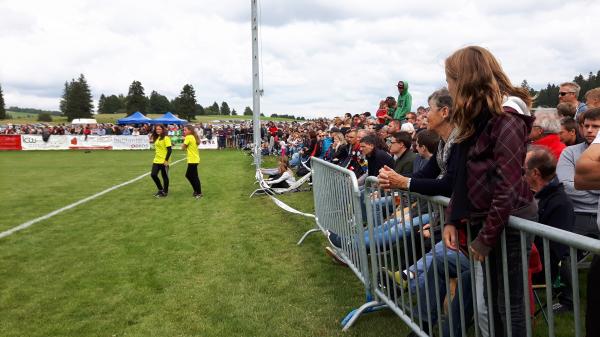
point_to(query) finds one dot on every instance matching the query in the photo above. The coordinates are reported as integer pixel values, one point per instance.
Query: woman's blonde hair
(480, 84)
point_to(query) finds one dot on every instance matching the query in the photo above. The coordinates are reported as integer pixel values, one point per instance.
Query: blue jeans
(438, 294)
(422, 266)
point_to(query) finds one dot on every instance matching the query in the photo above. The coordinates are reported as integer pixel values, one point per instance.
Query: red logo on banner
(10, 142)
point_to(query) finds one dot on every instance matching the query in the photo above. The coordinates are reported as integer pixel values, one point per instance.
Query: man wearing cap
(404, 101)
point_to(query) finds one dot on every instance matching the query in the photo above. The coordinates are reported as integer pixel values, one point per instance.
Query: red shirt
(553, 143)
(380, 114)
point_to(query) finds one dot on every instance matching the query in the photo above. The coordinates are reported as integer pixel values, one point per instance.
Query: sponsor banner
(90, 142)
(130, 143)
(10, 142)
(35, 142)
(208, 144)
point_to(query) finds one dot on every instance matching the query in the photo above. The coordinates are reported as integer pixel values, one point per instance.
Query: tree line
(548, 97)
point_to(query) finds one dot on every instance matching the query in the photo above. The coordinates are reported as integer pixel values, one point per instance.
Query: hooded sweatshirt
(404, 103)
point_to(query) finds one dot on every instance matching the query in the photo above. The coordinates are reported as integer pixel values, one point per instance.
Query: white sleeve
(285, 176)
(597, 140)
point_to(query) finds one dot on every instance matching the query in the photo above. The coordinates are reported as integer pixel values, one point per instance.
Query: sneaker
(162, 194)
(158, 194)
(336, 258)
(334, 239)
(198, 195)
(397, 276)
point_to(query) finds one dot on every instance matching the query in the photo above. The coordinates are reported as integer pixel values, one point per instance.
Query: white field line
(73, 205)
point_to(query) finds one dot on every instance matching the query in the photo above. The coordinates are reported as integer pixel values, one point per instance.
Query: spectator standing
(490, 185)
(404, 101)
(585, 202)
(587, 176)
(569, 93)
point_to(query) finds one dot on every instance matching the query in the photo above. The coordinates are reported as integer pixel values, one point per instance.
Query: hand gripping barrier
(432, 287)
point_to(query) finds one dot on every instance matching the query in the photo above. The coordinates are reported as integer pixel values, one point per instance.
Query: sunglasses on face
(562, 93)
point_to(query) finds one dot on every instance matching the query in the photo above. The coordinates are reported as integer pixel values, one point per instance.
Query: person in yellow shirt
(190, 146)
(162, 153)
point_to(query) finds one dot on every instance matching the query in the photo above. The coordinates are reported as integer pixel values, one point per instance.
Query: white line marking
(75, 204)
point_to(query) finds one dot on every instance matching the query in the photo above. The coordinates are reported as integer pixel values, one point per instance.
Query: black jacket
(377, 160)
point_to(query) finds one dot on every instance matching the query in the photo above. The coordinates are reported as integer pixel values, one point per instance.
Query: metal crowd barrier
(436, 290)
(338, 209)
(427, 284)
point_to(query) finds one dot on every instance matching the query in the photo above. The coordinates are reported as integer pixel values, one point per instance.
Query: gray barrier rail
(434, 288)
(338, 209)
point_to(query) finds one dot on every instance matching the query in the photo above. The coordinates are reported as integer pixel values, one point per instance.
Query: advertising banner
(208, 144)
(10, 142)
(90, 142)
(130, 143)
(35, 142)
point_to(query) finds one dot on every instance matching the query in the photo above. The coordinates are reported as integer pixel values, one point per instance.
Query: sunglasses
(562, 93)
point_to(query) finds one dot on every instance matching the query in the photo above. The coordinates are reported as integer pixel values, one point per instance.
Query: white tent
(84, 121)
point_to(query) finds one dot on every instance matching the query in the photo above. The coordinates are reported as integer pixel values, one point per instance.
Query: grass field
(127, 264)
(26, 118)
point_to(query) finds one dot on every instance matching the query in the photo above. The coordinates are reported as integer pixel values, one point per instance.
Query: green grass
(129, 264)
(26, 118)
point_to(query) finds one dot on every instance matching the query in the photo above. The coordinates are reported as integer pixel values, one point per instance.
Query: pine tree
(63, 99)
(158, 104)
(2, 105)
(186, 103)
(102, 104)
(112, 104)
(233, 112)
(247, 111)
(214, 109)
(136, 99)
(79, 102)
(225, 111)
(200, 110)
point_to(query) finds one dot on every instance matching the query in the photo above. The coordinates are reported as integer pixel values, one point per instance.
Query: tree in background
(233, 112)
(225, 111)
(548, 97)
(63, 99)
(136, 99)
(247, 111)
(200, 110)
(101, 104)
(186, 103)
(2, 105)
(77, 99)
(213, 109)
(159, 104)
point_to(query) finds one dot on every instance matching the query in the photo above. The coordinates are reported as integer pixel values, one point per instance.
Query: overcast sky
(319, 57)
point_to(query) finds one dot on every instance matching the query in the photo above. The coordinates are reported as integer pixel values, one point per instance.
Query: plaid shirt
(495, 174)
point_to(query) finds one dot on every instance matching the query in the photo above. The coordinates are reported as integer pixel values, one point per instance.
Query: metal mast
(255, 85)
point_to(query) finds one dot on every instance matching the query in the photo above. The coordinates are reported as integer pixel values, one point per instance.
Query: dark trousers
(192, 176)
(515, 284)
(165, 177)
(592, 314)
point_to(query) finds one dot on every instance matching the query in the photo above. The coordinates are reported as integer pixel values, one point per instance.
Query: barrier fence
(399, 255)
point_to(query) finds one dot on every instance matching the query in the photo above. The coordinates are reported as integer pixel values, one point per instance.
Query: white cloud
(318, 57)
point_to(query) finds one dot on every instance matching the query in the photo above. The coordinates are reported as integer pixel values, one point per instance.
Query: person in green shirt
(190, 146)
(404, 101)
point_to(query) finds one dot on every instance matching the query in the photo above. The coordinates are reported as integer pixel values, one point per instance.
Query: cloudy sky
(319, 57)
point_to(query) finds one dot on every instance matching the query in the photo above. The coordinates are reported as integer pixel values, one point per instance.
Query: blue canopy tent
(169, 118)
(135, 118)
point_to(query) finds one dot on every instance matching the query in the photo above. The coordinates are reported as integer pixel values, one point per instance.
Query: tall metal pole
(255, 85)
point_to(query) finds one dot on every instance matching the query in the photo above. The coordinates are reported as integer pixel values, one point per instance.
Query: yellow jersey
(193, 156)
(160, 149)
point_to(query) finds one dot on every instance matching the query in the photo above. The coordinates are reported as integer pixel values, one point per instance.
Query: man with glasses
(569, 93)
(400, 144)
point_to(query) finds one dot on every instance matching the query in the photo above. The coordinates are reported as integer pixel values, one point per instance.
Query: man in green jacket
(404, 101)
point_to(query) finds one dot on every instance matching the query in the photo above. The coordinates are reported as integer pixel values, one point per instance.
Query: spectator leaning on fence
(490, 185)
(585, 202)
(545, 131)
(426, 145)
(400, 144)
(587, 176)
